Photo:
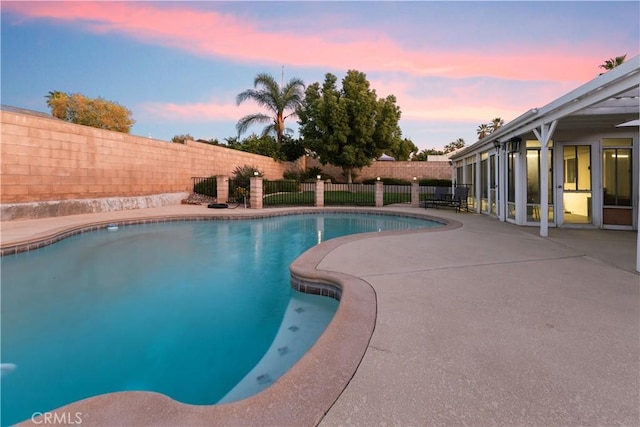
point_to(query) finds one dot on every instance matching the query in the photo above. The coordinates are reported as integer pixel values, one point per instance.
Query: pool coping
(305, 393)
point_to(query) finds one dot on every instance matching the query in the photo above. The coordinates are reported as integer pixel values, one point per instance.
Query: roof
(608, 101)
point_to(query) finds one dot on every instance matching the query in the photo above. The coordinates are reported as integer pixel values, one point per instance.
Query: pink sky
(471, 88)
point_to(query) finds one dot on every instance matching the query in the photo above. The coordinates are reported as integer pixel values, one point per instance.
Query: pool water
(187, 309)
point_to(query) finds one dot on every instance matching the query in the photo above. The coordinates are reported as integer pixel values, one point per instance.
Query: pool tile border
(304, 394)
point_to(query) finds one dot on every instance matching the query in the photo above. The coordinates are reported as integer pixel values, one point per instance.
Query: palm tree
(274, 98)
(612, 63)
(57, 101)
(453, 146)
(483, 130)
(495, 124)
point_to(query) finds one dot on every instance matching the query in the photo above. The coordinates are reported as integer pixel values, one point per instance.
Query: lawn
(334, 198)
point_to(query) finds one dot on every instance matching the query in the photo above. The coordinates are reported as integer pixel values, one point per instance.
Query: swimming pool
(208, 270)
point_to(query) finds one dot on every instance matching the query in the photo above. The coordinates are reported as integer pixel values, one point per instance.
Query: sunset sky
(178, 66)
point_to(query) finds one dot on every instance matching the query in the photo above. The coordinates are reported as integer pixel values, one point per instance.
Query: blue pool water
(187, 309)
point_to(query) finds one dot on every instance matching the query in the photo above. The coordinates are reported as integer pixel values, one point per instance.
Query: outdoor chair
(459, 200)
(441, 197)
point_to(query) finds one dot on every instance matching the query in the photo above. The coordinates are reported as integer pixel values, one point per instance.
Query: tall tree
(483, 130)
(95, 112)
(348, 127)
(612, 63)
(277, 100)
(57, 101)
(403, 149)
(423, 155)
(495, 124)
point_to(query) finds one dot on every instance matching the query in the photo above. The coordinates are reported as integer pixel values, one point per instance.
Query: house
(571, 163)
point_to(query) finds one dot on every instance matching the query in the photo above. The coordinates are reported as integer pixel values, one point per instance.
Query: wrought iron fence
(239, 192)
(205, 186)
(349, 195)
(396, 193)
(287, 193)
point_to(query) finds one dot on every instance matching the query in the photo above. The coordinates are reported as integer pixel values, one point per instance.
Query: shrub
(281, 186)
(182, 139)
(436, 182)
(311, 175)
(387, 181)
(293, 174)
(246, 172)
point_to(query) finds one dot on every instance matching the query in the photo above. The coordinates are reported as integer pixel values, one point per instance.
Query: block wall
(386, 169)
(45, 159)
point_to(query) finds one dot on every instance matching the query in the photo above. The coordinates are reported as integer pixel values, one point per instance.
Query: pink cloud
(209, 33)
(470, 102)
(200, 111)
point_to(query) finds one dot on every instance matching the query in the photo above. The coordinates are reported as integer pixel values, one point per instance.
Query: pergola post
(544, 134)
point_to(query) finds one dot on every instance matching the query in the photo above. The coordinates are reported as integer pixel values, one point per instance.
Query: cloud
(471, 100)
(210, 33)
(213, 111)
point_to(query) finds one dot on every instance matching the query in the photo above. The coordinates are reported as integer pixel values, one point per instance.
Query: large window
(470, 177)
(484, 182)
(577, 168)
(492, 183)
(511, 185)
(534, 180)
(616, 171)
(459, 172)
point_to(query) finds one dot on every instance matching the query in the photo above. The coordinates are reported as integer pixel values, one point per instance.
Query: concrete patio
(484, 324)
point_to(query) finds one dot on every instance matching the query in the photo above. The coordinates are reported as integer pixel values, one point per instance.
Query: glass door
(577, 186)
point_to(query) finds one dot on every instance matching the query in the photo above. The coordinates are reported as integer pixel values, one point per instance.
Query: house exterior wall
(45, 159)
(518, 211)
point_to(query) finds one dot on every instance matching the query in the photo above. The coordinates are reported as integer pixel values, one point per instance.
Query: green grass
(348, 198)
(334, 198)
(390, 198)
(305, 198)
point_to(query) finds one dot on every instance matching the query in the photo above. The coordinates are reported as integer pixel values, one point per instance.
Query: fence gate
(205, 186)
(239, 191)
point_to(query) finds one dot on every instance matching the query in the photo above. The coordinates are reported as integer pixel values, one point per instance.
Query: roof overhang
(606, 102)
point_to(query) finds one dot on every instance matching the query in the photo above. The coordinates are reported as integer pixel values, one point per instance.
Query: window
(484, 176)
(533, 176)
(471, 181)
(616, 176)
(511, 177)
(577, 167)
(533, 184)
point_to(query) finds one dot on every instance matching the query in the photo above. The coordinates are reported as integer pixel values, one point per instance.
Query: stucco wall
(45, 159)
(387, 169)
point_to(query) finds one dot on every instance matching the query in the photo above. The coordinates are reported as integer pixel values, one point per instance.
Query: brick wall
(386, 169)
(45, 159)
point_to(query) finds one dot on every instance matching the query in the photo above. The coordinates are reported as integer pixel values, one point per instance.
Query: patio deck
(487, 323)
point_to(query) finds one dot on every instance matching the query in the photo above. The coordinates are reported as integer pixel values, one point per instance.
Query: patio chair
(440, 197)
(459, 200)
